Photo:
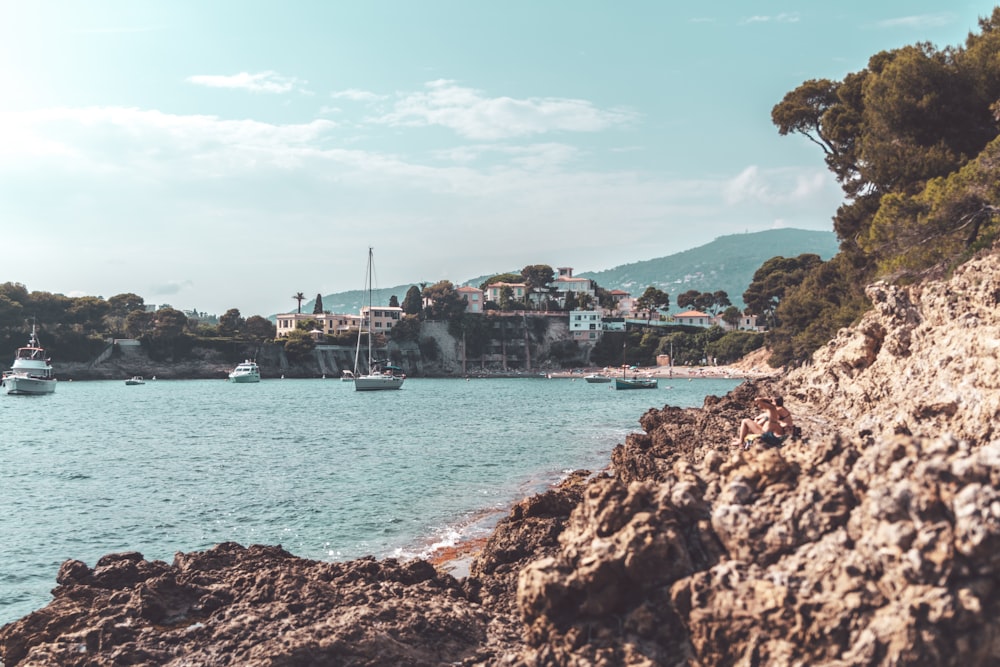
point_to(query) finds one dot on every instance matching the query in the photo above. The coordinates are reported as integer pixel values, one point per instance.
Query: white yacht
(31, 372)
(248, 371)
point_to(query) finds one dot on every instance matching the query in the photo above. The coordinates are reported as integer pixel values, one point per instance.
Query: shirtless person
(771, 424)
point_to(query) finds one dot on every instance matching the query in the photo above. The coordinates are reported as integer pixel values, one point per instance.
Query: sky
(230, 154)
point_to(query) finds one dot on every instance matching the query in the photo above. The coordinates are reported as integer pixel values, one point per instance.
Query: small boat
(31, 372)
(248, 371)
(347, 376)
(635, 383)
(135, 379)
(595, 378)
(380, 374)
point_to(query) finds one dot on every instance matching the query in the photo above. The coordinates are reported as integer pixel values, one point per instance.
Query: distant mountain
(727, 263)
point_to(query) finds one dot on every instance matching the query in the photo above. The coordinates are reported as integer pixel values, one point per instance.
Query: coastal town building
(585, 325)
(565, 283)
(493, 292)
(329, 324)
(694, 318)
(474, 298)
(383, 318)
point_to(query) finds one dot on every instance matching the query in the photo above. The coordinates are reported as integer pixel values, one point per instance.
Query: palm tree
(300, 297)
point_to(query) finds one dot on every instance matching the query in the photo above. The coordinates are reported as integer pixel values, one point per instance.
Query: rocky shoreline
(872, 540)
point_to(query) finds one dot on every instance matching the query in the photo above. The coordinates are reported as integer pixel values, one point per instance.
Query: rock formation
(872, 540)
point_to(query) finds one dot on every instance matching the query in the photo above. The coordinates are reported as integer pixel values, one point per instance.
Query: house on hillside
(492, 292)
(474, 298)
(699, 319)
(565, 283)
(694, 318)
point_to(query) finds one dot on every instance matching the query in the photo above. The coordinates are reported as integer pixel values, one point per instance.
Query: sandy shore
(734, 372)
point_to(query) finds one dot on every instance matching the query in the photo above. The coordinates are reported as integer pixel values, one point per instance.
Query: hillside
(727, 263)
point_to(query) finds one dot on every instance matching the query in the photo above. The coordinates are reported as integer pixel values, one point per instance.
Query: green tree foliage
(585, 301)
(652, 300)
(87, 313)
(940, 225)
(734, 345)
(443, 302)
(10, 311)
(513, 278)
(299, 345)
(811, 312)
(572, 302)
(259, 329)
(139, 323)
(49, 308)
(536, 278)
(413, 304)
(688, 299)
(706, 302)
(770, 282)
(231, 323)
(506, 298)
(120, 305)
(318, 305)
(406, 329)
(299, 297)
(169, 323)
(731, 316)
(393, 301)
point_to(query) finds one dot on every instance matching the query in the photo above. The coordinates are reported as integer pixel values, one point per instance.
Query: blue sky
(217, 155)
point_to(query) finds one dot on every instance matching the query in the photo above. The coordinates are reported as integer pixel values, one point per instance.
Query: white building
(585, 325)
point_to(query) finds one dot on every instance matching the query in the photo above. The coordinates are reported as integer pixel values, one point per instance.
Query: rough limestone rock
(872, 540)
(249, 606)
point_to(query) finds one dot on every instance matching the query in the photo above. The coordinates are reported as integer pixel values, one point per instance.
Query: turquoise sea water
(327, 472)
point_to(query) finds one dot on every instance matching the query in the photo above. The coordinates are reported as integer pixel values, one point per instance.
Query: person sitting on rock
(771, 425)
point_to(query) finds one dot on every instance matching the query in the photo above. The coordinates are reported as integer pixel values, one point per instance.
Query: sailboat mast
(370, 288)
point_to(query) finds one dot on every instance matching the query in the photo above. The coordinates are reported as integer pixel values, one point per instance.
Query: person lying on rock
(771, 426)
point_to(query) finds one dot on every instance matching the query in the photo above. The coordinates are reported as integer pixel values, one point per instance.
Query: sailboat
(635, 382)
(379, 375)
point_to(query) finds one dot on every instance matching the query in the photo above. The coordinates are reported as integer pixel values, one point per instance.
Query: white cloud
(784, 17)
(776, 186)
(121, 138)
(917, 21)
(470, 114)
(261, 82)
(356, 95)
(530, 156)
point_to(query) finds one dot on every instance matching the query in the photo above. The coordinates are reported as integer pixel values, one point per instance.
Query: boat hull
(244, 379)
(638, 383)
(28, 386)
(377, 382)
(597, 379)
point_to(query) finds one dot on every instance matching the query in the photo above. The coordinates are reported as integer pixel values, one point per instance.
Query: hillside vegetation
(728, 263)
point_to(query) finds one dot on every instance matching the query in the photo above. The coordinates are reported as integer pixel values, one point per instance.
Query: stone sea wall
(872, 540)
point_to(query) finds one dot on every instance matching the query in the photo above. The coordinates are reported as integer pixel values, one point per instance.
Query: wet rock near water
(232, 605)
(872, 540)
